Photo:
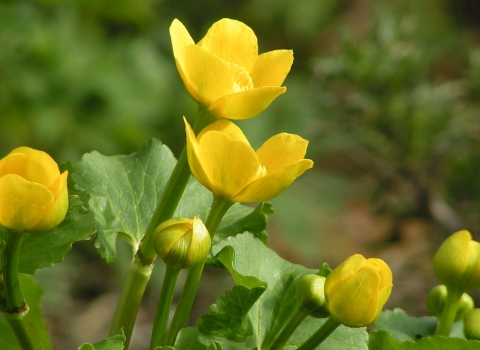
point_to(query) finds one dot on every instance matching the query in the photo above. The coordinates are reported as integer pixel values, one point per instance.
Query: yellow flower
(181, 243)
(223, 161)
(33, 193)
(224, 71)
(457, 262)
(357, 290)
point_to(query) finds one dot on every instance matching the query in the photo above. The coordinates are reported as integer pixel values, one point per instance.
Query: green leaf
(227, 318)
(343, 338)
(252, 264)
(383, 340)
(32, 292)
(115, 342)
(253, 221)
(403, 327)
(46, 249)
(124, 191)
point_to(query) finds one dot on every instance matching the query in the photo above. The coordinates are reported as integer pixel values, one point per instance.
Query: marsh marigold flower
(457, 262)
(224, 71)
(181, 242)
(357, 290)
(223, 161)
(33, 193)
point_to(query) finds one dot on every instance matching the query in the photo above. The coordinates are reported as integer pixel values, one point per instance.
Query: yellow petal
(39, 168)
(271, 185)
(383, 270)
(383, 296)
(14, 163)
(281, 151)
(355, 301)
(180, 39)
(193, 157)
(233, 42)
(271, 68)
(349, 267)
(24, 203)
(59, 209)
(229, 164)
(245, 104)
(206, 77)
(226, 127)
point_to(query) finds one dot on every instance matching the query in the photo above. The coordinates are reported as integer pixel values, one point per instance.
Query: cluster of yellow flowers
(225, 74)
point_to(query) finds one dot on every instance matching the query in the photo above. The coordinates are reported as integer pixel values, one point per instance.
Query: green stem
(13, 294)
(164, 304)
(16, 310)
(141, 267)
(182, 313)
(172, 193)
(319, 336)
(24, 329)
(130, 298)
(287, 331)
(449, 311)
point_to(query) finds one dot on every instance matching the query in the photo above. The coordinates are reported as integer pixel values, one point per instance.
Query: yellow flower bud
(224, 71)
(471, 324)
(457, 262)
(223, 161)
(311, 295)
(357, 290)
(181, 242)
(34, 195)
(436, 301)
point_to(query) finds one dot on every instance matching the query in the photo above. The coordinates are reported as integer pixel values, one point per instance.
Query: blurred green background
(387, 92)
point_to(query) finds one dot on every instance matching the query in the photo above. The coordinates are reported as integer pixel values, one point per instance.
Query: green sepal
(324, 270)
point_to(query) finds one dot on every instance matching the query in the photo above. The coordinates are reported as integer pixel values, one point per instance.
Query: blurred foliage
(387, 92)
(402, 110)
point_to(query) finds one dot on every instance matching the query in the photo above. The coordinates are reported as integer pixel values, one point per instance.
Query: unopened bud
(471, 324)
(311, 295)
(436, 301)
(181, 242)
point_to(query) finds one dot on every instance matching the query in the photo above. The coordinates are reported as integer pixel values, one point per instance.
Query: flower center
(241, 78)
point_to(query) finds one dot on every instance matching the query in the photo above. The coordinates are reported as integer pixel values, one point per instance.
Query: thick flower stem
(163, 308)
(219, 207)
(449, 311)
(16, 310)
(319, 336)
(142, 265)
(130, 298)
(287, 331)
